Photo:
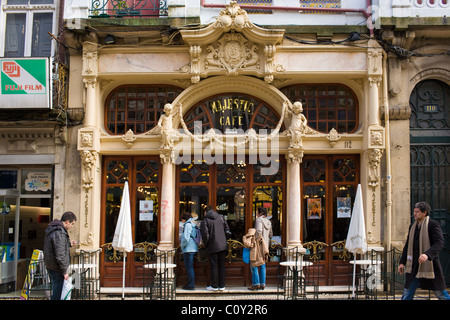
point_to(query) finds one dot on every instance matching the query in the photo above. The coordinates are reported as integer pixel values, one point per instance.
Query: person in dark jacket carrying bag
(215, 231)
(57, 251)
(420, 257)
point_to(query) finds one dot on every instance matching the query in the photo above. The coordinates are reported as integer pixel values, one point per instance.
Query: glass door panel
(193, 199)
(230, 203)
(343, 198)
(315, 213)
(112, 208)
(270, 197)
(146, 219)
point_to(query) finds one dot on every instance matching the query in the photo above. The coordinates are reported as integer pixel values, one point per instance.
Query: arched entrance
(233, 181)
(430, 155)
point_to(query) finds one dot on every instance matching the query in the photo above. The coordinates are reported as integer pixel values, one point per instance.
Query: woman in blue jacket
(189, 248)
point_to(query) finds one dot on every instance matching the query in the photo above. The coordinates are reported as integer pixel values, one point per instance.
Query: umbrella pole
(354, 275)
(123, 274)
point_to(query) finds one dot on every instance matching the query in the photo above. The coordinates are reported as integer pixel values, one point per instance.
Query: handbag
(246, 255)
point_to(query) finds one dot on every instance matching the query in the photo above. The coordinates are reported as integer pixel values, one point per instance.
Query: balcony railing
(127, 8)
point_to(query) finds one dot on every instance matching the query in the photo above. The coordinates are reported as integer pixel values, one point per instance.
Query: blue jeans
(57, 279)
(259, 277)
(408, 294)
(189, 265)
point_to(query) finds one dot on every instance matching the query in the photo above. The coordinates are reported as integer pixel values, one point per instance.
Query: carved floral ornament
(232, 45)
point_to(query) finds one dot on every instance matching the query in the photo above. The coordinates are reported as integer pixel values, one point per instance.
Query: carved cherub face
(297, 107)
(168, 108)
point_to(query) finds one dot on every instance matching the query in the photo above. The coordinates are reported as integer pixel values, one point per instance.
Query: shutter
(41, 42)
(15, 35)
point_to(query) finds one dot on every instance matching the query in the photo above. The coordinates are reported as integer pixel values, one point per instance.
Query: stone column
(167, 206)
(294, 158)
(89, 147)
(374, 147)
(374, 106)
(90, 73)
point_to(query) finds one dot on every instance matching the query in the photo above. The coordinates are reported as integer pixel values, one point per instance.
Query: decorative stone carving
(129, 137)
(333, 136)
(374, 58)
(86, 139)
(376, 137)
(231, 53)
(165, 123)
(167, 156)
(295, 155)
(297, 126)
(232, 45)
(374, 156)
(90, 60)
(88, 160)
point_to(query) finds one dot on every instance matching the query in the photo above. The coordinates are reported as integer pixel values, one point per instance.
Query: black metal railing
(127, 8)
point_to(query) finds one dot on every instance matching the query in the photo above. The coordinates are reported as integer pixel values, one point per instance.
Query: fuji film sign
(25, 83)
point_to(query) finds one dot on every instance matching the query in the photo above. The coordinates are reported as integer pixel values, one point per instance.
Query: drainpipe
(365, 13)
(388, 158)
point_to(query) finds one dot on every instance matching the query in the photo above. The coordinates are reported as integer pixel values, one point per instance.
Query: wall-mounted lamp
(109, 39)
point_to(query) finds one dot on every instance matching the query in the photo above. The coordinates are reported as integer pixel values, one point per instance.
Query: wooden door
(143, 175)
(329, 184)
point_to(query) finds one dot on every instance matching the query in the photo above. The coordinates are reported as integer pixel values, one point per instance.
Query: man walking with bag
(57, 251)
(420, 258)
(214, 231)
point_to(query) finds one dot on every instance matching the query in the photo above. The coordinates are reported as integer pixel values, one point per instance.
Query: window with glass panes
(137, 107)
(326, 106)
(27, 27)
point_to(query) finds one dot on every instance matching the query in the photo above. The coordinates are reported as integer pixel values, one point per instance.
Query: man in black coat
(57, 251)
(420, 257)
(214, 231)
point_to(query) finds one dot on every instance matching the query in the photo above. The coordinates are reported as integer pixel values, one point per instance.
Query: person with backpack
(264, 232)
(189, 247)
(215, 232)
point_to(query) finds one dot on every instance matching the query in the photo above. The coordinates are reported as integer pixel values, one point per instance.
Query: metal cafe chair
(291, 274)
(159, 276)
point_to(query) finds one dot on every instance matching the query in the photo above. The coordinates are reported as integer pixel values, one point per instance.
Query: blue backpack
(198, 236)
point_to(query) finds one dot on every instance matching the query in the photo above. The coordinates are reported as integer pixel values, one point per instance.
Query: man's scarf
(426, 268)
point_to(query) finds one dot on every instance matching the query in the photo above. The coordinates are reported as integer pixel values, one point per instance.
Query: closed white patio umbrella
(123, 240)
(356, 241)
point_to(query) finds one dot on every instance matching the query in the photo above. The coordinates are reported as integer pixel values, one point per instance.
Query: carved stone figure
(88, 159)
(297, 126)
(165, 123)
